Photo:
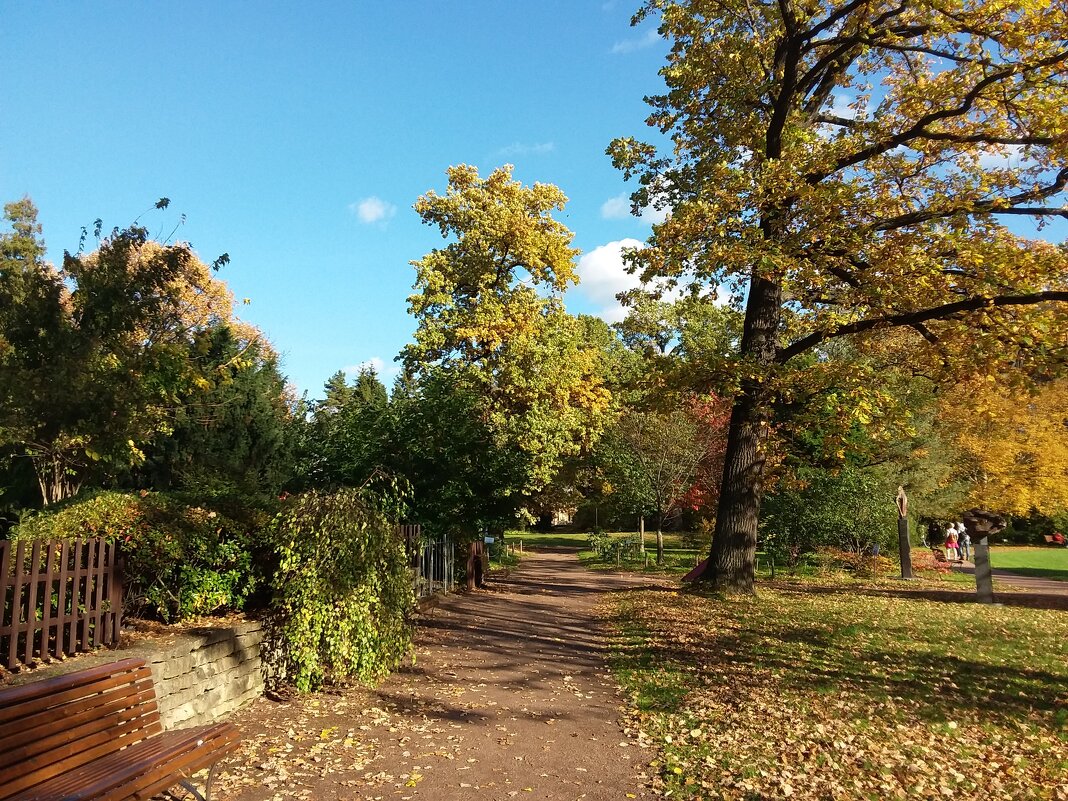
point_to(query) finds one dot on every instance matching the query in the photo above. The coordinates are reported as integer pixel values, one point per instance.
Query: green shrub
(599, 542)
(850, 509)
(343, 588)
(180, 560)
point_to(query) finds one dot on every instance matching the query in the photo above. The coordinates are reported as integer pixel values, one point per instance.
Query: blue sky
(296, 137)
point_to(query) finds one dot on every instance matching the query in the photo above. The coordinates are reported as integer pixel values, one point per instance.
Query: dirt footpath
(510, 697)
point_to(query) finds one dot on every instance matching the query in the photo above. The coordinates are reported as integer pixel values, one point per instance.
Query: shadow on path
(510, 697)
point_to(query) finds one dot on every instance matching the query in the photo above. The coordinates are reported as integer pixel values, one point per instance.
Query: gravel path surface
(510, 697)
(1036, 584)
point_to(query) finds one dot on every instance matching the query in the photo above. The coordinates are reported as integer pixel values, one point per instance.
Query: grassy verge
(551, 539)
(579, 539)
(677, 561)
(815, 693)
(1043, 562)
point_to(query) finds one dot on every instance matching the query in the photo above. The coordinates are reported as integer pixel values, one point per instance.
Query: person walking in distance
(952, 545)
(965, 546)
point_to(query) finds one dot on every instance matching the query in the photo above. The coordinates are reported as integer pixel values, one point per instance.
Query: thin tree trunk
(55, 478)
(641, 532)
(660, 539)
(472, 560)
(731, 564)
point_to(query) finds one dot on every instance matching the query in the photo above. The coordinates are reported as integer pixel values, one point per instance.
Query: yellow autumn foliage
(1015, 444)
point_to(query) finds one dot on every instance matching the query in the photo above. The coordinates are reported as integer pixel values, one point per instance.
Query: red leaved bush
(713, 415)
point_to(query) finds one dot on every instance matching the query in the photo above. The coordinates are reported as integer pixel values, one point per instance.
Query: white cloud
(373, 210)
(840, 107)
(1001, 157)
(630, 45)
(524, 149)
(602, 276)
(376, 363)
(618, 208)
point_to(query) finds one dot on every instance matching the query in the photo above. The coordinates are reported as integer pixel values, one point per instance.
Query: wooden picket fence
(59, 598)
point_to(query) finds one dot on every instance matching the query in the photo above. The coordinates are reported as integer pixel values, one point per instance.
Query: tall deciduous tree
(1015, 445)
(850, 165)
(490, 315)
(656, 459)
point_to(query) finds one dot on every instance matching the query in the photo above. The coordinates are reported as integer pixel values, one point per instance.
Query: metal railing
(435, 568)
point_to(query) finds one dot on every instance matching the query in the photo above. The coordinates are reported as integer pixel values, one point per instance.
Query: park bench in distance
(95, 734)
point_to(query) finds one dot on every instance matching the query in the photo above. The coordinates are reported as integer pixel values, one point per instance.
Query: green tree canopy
(96, 356)
(490, 315)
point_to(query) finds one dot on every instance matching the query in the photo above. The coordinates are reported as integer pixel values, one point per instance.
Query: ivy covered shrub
(343, 589)
(180, 559)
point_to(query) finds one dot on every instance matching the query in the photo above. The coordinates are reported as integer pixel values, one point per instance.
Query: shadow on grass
(1030, 600)
(818, 659)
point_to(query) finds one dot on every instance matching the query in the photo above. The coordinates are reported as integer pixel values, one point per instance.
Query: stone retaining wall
(205, 674)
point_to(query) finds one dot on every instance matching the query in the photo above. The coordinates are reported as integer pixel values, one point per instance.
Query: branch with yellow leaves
(920, 129)
(918, 318)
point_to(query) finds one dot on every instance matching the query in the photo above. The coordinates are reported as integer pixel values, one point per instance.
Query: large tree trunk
(733, 555)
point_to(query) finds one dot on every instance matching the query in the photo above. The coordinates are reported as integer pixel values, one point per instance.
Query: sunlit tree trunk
(56, 477)
(733, 555)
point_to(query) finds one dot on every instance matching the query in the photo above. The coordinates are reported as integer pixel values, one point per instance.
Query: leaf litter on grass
(834, 696)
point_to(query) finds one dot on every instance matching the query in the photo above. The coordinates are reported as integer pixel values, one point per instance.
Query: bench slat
(95, 735)
(223, 741)
(42, 724)
(153, 765)
(37, 689)
(71, 756)
(111, 769)
(14, 707)
(72, 734)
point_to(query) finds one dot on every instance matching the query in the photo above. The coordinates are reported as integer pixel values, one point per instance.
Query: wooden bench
(96, 734)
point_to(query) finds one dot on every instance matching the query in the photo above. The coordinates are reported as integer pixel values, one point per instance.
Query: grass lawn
(804, 694)
(551, 539)
(678, 559)
(1043, 562)
(580, 539)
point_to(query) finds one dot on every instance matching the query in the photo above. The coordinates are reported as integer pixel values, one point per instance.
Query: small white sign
(488, 540)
